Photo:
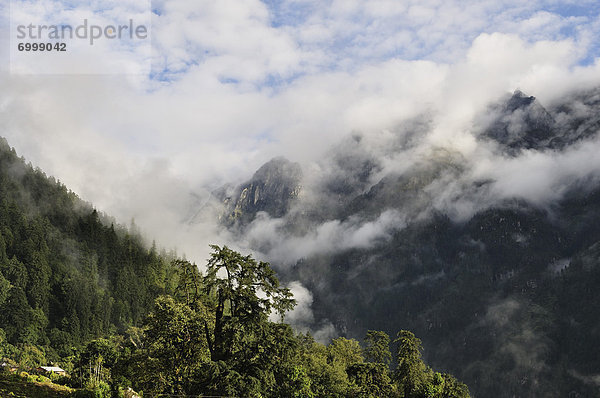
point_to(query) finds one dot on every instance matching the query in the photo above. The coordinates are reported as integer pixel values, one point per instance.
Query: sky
(226, 85)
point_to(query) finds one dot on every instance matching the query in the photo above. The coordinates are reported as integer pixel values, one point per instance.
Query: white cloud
(98, 37)
(329, 237)
(138, 148)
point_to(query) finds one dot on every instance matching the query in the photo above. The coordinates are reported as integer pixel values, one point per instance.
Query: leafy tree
(241, 301)
(370, 380)
(94, 363)
(435, 386)
(218, 324)
(30, 356)
(327, 380)
(344, 352)
(415, 379)
(294, 382)
(454, 388)
(175, 344)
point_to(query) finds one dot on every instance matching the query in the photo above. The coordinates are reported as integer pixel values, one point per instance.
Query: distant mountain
(502, 287)
(521, 123)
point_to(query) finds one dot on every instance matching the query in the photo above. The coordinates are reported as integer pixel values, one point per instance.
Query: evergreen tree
(377, 347)
(411, 373)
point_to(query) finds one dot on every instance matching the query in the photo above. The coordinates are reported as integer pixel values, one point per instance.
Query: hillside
(17, 387)
(67, 273)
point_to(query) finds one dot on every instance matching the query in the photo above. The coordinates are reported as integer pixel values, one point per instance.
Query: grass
(12, 385)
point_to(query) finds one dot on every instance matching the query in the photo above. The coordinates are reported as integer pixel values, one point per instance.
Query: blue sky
(280, 41)
(344, 35)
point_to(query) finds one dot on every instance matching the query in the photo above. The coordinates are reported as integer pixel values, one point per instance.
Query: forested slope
(67, 273)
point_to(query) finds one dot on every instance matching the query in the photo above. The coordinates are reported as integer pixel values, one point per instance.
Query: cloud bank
(235, 83)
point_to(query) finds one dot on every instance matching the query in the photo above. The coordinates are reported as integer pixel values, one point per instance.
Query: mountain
(521, 123)
(497, 270)
(271, 189)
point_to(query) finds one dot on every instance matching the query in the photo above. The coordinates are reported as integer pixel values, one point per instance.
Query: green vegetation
(67, 274)
(78, 292)
(29, 386)
(214, 337)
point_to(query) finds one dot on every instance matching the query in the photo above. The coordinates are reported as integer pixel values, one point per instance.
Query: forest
(82, 293)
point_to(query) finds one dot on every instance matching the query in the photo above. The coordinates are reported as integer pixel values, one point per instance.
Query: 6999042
(42, 46)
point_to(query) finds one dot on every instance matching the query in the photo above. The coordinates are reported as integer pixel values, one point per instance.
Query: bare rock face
(271, 189)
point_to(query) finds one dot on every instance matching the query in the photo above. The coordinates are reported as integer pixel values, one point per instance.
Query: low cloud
(332, 236)
(302, 317)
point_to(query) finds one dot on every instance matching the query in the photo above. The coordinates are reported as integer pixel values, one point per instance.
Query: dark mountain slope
(505, 297)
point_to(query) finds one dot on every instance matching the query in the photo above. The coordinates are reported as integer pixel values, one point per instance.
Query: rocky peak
(271, 189)
(278, 170)
(519, 101)
(521, 123)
